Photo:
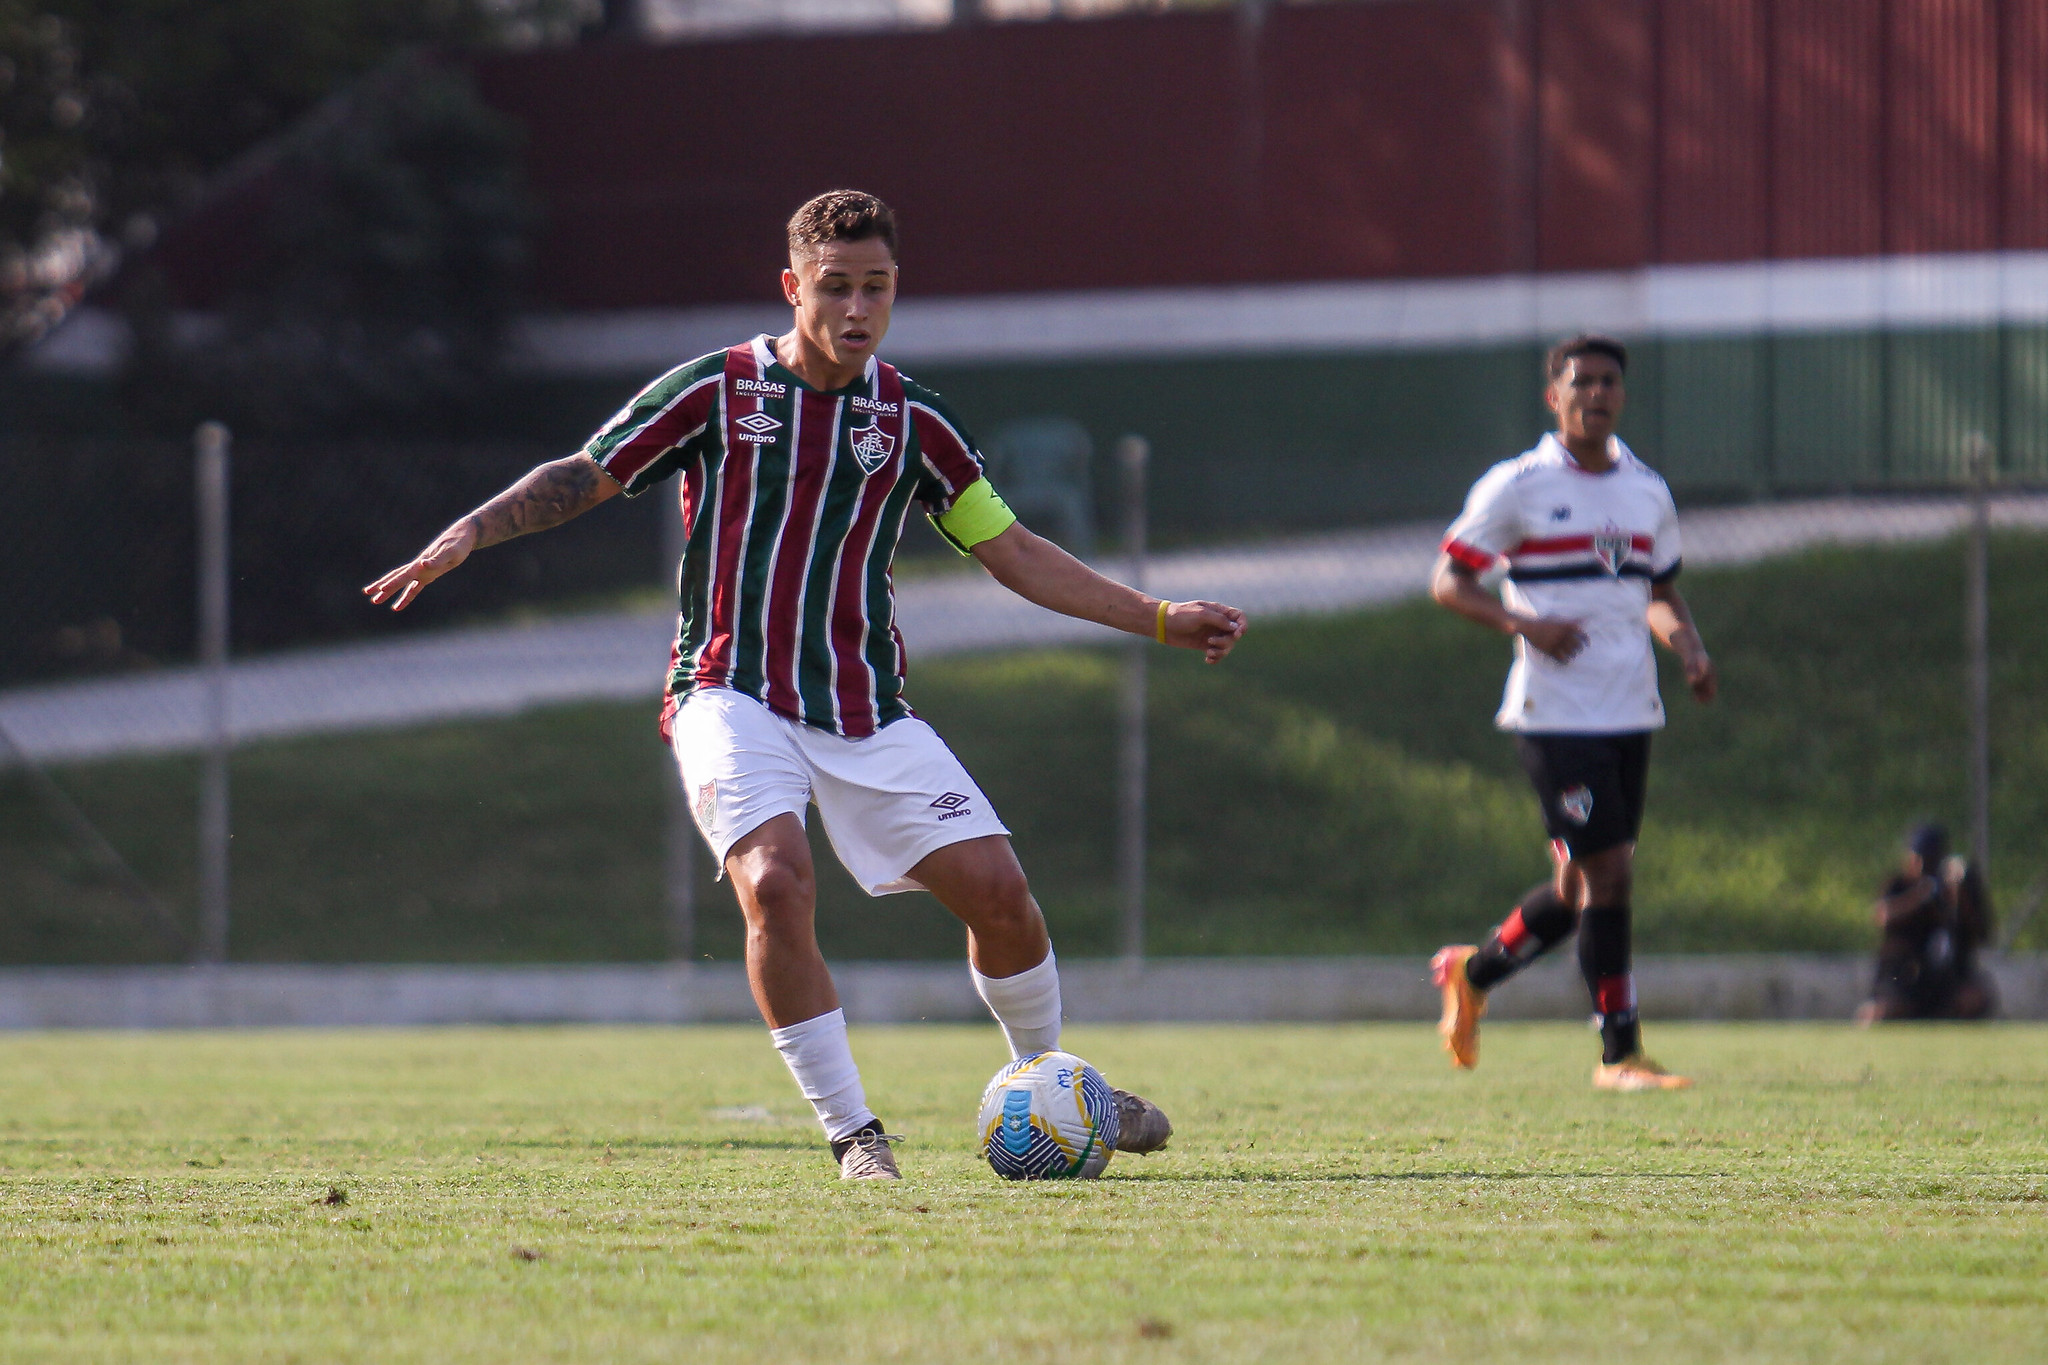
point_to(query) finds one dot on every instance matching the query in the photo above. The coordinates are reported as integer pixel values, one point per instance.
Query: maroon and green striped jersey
(793, 503)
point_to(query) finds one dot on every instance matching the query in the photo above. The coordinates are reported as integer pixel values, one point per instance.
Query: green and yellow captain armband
(978, 514)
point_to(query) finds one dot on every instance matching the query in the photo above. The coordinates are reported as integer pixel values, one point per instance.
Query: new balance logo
(876, 406)
(872, 446)
(1561, 513)
(758, 427)
(763, 387)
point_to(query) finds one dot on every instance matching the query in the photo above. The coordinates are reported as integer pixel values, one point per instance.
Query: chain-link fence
(1819, 223)
(490, 787)
(106, 535)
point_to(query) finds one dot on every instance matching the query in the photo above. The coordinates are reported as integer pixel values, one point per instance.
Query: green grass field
(1333, 1194)
(1337, 786)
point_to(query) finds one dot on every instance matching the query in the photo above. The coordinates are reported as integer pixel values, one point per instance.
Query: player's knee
(1617, 888)
(1000, 895)
(1007, 892)
(1608, 875)
(778, 927)
(1550, 917)
(777, 892)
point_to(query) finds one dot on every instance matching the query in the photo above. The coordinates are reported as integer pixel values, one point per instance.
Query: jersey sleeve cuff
(977, 515)
(625, 485)
(1665, 575)
(1471, 556)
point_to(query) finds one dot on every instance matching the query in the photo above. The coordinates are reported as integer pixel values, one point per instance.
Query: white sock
(1027, 1005)
(822, 1063)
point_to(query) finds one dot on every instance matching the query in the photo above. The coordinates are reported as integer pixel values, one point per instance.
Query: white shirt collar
(1555, 449)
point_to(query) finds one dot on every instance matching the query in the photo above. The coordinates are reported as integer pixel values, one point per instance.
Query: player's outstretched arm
(547, 496)
(1039, 571)
(1671, 622)
(1456, 586)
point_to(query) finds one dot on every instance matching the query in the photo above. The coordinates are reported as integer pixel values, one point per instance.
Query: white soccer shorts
(888, 801)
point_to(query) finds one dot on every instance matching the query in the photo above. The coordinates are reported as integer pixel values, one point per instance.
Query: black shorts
(1591, 786)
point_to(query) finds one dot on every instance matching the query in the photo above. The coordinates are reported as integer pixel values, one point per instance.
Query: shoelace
(869, 1141)
(867, 1145)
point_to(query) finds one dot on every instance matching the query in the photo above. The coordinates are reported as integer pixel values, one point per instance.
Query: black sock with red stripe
(1533, 928)
(1604, 962)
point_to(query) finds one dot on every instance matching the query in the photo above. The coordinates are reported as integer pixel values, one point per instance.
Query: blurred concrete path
(1207, 990)
(620, 656)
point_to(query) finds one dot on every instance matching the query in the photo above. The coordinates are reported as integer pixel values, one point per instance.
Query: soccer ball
(1048, 1116)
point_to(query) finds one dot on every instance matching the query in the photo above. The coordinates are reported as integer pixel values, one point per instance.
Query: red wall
(1408, 138)
(1334, 141)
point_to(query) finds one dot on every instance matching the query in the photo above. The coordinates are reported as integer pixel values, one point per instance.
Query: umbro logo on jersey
(1611, 549)
(764, 387)
(951, 801)
(758, 427)
(875, 405)
(872, 446)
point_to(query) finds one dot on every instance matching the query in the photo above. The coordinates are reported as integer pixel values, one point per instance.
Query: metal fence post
(210, 452)
(1132, 453)
(680, 862)
(1977, 648)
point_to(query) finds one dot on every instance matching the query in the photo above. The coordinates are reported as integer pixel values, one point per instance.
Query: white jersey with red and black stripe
(794, 501)
(1585, 547)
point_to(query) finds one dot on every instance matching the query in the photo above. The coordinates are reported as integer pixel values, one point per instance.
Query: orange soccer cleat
(1464, 1004)
(1636, 1072)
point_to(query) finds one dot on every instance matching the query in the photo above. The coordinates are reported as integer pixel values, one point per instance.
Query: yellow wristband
(1160, 632)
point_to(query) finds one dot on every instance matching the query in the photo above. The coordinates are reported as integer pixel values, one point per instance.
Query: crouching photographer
(1935, 915)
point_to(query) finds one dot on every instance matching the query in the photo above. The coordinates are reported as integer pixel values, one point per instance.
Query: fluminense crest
(872, 446)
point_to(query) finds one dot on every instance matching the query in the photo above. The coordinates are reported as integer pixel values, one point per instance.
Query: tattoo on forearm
(549, 496)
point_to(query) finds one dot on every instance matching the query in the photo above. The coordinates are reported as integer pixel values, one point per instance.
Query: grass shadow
(1395, 1177)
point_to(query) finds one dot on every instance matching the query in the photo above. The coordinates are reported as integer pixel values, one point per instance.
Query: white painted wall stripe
(1903, 292)
(1837, 295)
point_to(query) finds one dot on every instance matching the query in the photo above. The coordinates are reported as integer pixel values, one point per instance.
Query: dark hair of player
(841, 216)
(1930, 841)
(1559, 356)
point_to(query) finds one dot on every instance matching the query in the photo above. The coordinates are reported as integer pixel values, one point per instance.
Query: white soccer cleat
(1142, 1125)
(869, 1157)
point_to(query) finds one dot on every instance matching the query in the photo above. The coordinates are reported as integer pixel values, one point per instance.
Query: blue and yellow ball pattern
(1048, 1116)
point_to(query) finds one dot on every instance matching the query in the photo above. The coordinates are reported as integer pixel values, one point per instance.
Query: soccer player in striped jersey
(1588, 537)
(800, 459)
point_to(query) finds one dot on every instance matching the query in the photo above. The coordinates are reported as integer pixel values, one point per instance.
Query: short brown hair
(1585, 343)
(841, 216)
